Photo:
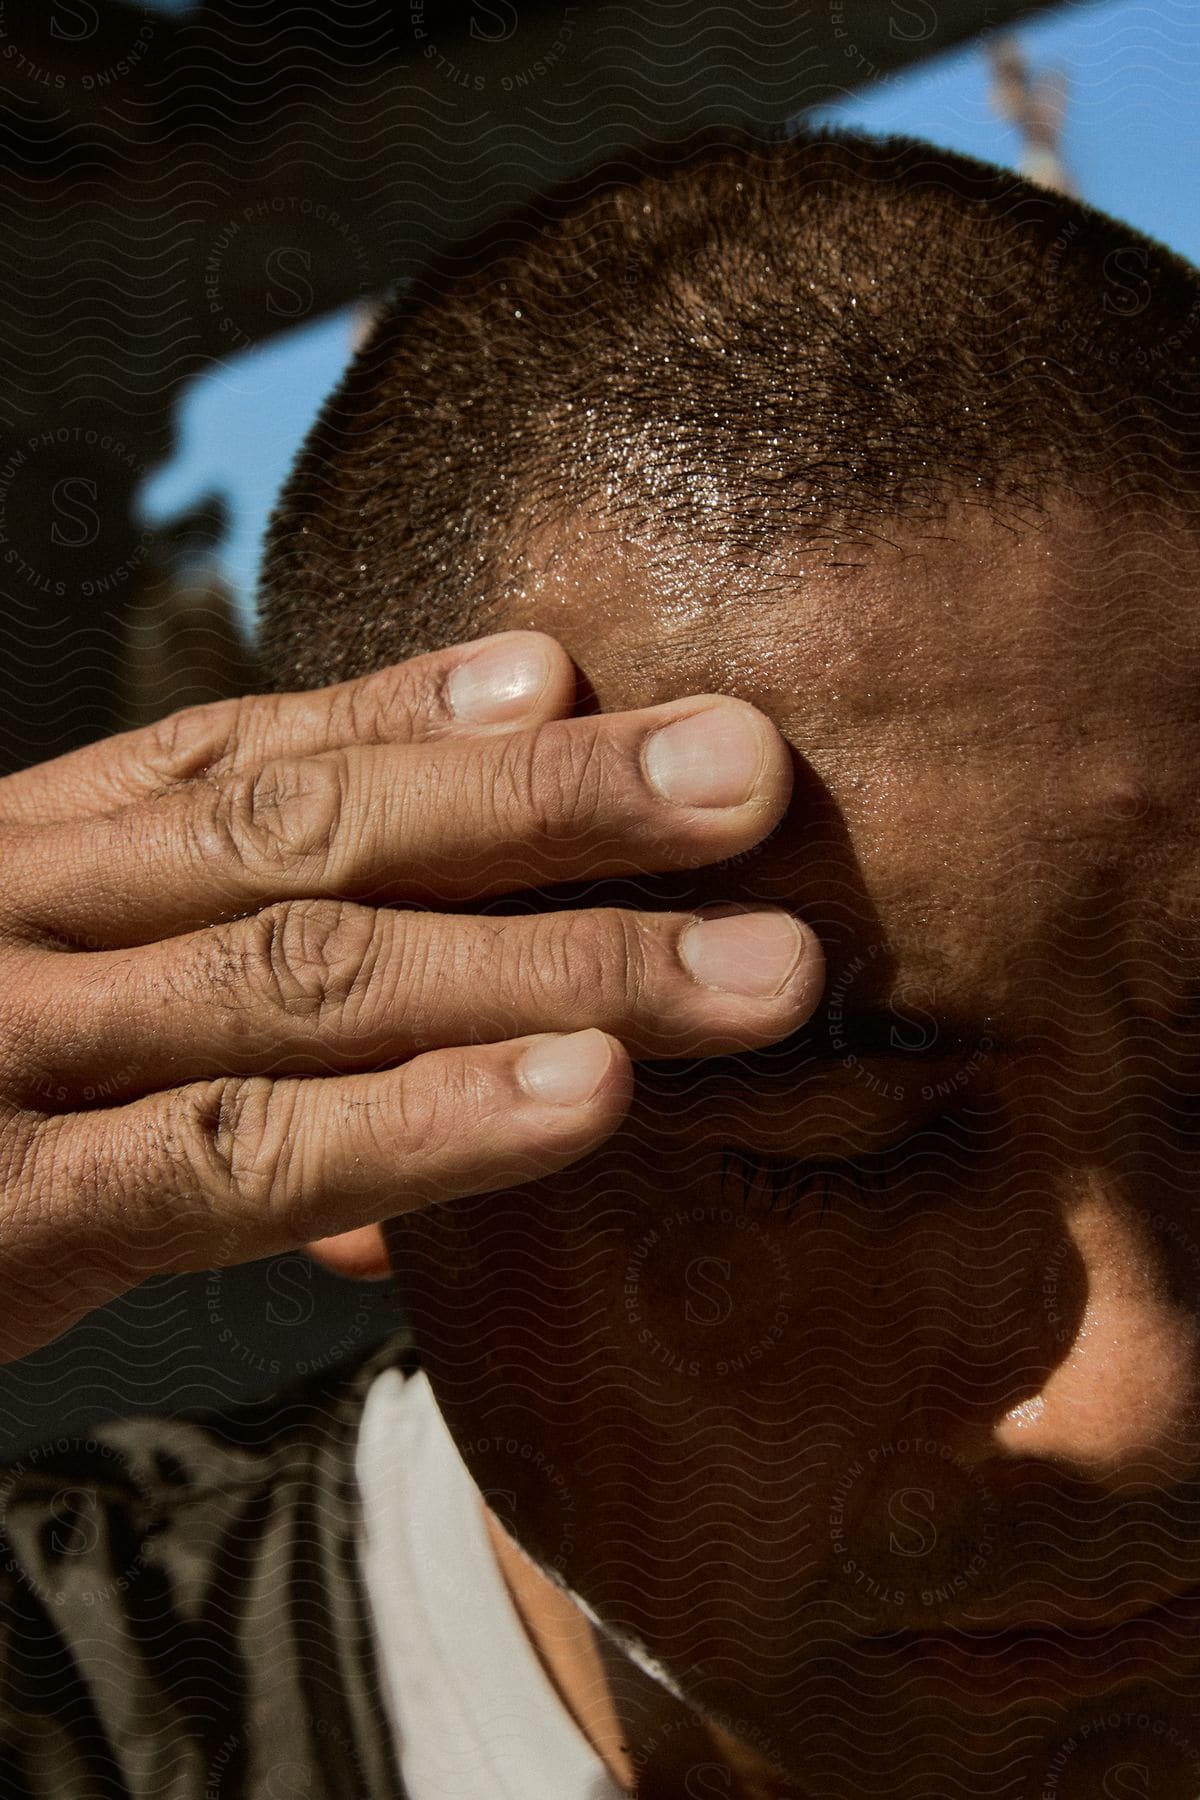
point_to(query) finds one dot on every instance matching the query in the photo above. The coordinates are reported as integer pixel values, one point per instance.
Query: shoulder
(182, 1576)
(154, 1475)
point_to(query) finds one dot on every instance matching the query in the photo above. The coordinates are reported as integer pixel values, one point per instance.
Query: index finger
(493, 684)
(668, 787)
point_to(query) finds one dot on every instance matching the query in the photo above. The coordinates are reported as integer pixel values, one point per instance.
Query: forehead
(997, 735)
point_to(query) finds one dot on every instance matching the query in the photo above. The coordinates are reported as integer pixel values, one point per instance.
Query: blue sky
(1132, 133)
(1132, 140)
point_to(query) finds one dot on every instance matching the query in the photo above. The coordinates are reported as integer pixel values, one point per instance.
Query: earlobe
(361, 1255)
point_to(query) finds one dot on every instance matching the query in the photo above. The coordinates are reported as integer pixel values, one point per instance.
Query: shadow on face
(856, 1377)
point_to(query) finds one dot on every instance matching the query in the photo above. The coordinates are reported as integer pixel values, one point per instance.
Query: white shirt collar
(474, 1715)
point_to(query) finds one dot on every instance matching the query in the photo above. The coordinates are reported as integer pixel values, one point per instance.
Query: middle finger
(322, 987)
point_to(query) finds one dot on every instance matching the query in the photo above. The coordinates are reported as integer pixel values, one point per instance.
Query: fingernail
(744, 953)
(565, 1070)
(500, 683)
(711, 758)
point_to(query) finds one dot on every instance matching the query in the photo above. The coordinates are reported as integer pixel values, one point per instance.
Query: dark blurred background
(201, 205)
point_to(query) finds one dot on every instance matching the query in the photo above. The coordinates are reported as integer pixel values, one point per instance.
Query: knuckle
(441, 1098)
(403, 699)
(509, 785)
(190, 743)
(580, 780)
(537, 958)
(314, 959)
(562, 777)
(598, 957)
(285, 812)
(630, 957)
(234, 1137)
(354, 709)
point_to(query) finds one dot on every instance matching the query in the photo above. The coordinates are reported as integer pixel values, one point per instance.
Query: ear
(360, 1254)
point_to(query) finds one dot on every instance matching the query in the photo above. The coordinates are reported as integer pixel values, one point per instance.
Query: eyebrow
(869, 1031)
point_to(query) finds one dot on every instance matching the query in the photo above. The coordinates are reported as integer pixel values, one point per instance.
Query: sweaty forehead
(996, 733)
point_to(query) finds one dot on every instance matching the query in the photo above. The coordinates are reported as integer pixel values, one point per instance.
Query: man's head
(841, 1351)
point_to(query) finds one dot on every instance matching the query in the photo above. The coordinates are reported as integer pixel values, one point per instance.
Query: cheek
(646, 1294)
(643, 1262)
(668, 1268)
(685, 1406)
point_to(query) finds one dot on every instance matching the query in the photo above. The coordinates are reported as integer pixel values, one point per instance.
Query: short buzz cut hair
(812, 340)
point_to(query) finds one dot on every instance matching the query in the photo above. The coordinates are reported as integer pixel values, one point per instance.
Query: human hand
(233, 1017)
